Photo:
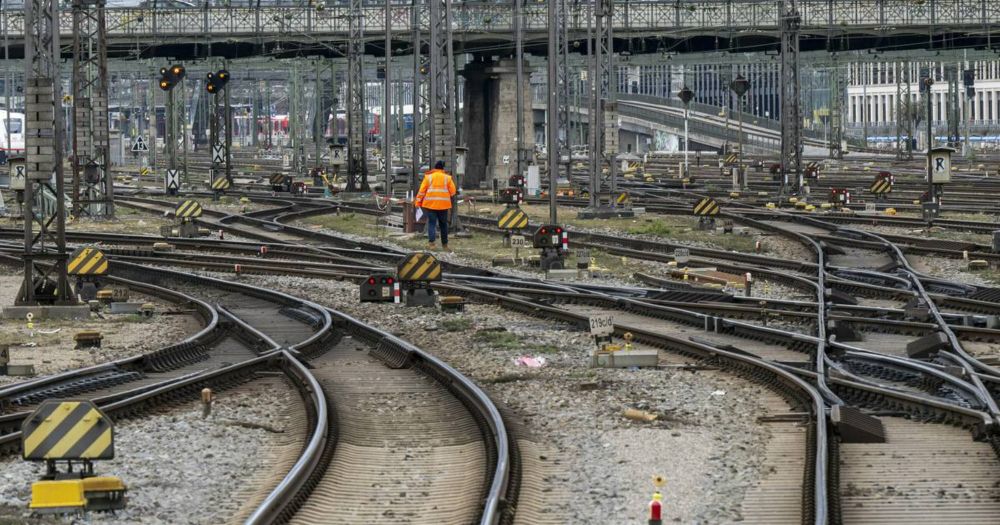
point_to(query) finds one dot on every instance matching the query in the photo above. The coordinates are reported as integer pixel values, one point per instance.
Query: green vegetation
(503, 340)
(978, 238)
(458, 324)
(352, 223)
(992, 275)
(965, 216)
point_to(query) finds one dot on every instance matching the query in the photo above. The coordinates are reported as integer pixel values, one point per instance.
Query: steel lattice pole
(609, 113)
(387, 101)
(44, 143)
(93, 191)
(442, 81)
(836, 113)
(221, 135)
(791, 122)
(357, 168)
(553, 117)
(519, 93)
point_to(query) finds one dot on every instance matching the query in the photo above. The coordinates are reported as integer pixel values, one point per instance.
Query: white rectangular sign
(940, 167)
(602, 325)
(517, 241)
(17, 176)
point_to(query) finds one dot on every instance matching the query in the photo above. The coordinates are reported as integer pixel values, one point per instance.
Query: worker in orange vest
(434, 198)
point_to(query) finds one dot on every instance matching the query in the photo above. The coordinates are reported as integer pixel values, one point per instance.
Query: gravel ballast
(49, 346)
(704, 441)
(179, 468)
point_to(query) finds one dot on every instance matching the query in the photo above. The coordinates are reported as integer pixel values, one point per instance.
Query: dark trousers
(434, 218)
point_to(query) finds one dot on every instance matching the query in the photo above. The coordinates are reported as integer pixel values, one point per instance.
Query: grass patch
(992, 275)
(965, 216)
(458, 324)
(503, 340)
(654, 227)
(978, 238)
(352, 223)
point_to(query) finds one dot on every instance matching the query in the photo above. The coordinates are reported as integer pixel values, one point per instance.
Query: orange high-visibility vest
(436, 191)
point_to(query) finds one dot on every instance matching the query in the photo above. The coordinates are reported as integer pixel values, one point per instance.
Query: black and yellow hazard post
(219, 186)
(510, 219)
(416, 272)
(77, 433)
(706, 209)
(553, 240)
(283, 182)
(812, 170)
(88, 264)
(882, 186)
(186, 212)
(624, 200)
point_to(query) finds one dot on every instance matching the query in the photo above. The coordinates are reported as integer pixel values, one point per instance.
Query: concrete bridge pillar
(490, 120)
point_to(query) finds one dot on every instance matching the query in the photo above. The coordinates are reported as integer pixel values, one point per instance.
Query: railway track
(432, 393)
(922, 393)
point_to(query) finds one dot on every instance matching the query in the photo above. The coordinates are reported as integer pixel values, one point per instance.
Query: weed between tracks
(503, 340)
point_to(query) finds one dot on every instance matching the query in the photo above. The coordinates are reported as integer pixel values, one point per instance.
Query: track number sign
(602, 325)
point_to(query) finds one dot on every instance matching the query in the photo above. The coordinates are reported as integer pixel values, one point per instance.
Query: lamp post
(740, 85)
(685, 94)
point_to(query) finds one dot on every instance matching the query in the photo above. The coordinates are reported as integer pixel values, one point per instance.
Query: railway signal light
(969, 79)
(739, 85)
(217, 81)
(169, 77)
(685, 94)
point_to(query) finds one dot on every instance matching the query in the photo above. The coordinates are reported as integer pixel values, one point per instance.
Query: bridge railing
(495, 19)
(752, 142)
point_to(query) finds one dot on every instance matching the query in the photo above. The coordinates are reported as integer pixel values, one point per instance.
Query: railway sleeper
(877, 401)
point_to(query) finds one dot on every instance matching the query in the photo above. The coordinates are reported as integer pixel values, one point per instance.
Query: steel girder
(421, 124)
(45, 279)
(93, 192)
(522, 152)
(357, 161)
(951, 75)
(557, 113)
(221, 131)
(836, 113)
(604, 144)
(295, 112)
(791, 120)
(904, 112)
(442, 84)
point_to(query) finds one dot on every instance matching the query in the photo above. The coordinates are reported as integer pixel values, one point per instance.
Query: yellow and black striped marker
(220, 184)
(732, 158)
(623, 198)
(67, 430)
(87, 261)
(419, 266)
(512, 219)
(188, 210)
(881, 186)
(277, 179)
(143, 171)
(706, 206)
